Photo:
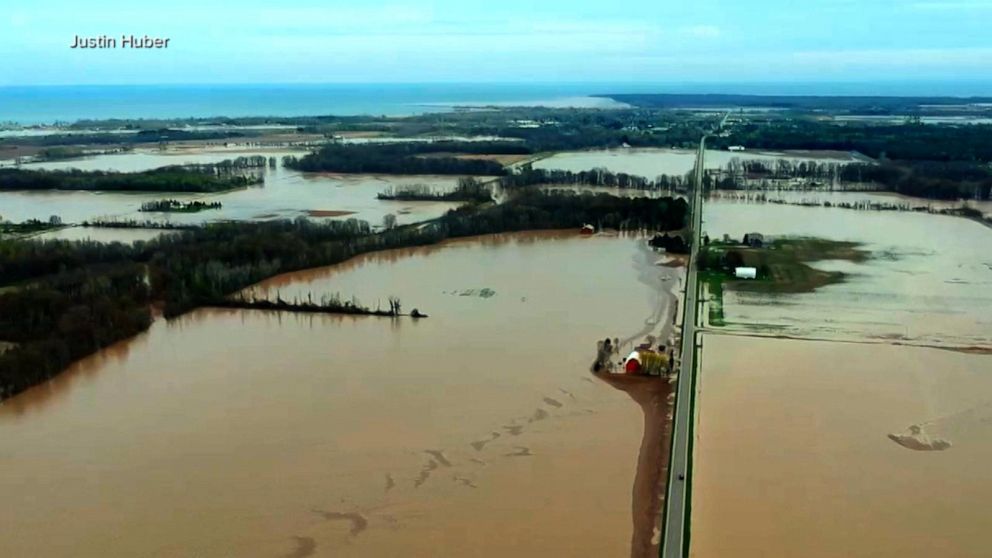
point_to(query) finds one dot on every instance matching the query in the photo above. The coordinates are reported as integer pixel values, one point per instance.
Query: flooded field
(285, 193)
(928, 281)
(650, 163)
(99, 234)
(841, 197)
(796, 456)
(147, 159)
(478, 431)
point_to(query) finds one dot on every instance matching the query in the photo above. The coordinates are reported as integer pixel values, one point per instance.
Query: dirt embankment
(654, 396)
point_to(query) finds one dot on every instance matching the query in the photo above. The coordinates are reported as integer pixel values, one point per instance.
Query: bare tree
(389, 221)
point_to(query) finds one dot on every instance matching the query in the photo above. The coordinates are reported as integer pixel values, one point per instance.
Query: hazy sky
(251, 41)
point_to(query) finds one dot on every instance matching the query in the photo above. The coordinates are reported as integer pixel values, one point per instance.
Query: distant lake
(45, 104)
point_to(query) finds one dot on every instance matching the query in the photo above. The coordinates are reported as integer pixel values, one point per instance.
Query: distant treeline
(468, 190)
(868, 105)
(910, 142)
(407, 158)
(233, 165)
(73, 298)
(29, 226)
(949, 180)
(105, 138)
(134, 224)
(595, 177)
(784, 168)
(203, 178)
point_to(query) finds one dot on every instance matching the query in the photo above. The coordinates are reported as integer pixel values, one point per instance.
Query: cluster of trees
(724, 260)
(176, 206)
(29, 226)
(108, 138)
(468, 190)
(535, 209)
(407, 158)
(165, 179)
(57, 320)
(595, 177)
(598, 129)
(671, 243)
(230, 166)
(784, 168)
(926, 179)
(909, 142)
(20, 261)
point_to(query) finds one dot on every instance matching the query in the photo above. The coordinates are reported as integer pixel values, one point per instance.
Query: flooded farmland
(928, 279)
(478, 431)
(853, 198)
(872, 440)
(650, 162)
(285, 193)
(794, 455)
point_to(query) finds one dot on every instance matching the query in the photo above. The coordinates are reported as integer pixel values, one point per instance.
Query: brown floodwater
(479, 431)
(795, 453)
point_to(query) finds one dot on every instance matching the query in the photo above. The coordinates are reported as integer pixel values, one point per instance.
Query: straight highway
(674, 543)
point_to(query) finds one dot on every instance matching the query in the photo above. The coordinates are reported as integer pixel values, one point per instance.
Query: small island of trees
(176, 206)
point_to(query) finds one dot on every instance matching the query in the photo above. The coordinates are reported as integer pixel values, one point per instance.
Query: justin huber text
(126, 41)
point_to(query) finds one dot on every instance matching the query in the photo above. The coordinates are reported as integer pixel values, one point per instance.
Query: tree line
(406, 158)
(204, 178)
(908, 142)
(948, 180)
(468, 189)
(596, 177)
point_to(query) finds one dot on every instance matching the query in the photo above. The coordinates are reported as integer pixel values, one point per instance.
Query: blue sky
(654, 41)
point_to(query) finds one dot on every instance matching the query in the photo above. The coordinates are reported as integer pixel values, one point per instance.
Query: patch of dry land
(812, 448)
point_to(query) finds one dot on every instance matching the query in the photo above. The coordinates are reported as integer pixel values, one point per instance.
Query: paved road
(674, 544)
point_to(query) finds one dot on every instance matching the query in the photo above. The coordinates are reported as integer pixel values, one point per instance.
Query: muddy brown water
(863, 445)
(478, 431)
(794, 458)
